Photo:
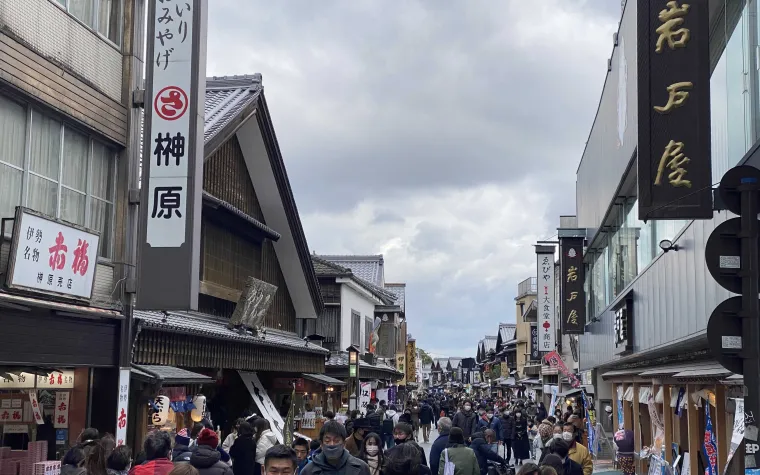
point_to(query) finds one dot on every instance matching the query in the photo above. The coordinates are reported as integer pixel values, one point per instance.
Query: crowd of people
(474, 438)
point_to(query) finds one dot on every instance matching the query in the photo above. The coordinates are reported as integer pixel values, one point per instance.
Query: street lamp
(354, 387)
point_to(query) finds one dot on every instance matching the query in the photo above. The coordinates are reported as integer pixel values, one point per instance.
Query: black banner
(674, 169)
(572, 296)
(535, 350)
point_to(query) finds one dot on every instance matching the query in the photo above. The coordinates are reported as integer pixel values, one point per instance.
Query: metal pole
(751, 314)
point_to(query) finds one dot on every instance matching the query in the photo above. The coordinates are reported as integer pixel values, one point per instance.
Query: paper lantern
(162, 410)
(200, 408)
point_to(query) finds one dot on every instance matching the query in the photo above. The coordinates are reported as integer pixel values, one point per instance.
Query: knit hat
(209, 438)
(182, 438)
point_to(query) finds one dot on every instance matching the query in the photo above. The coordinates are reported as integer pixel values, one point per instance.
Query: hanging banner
(589, 424)
(737, 435)
(172, 172)
(411, 361)
(674, 170)
(364, 397)
(36, 409)
(545, 298)
(572, 301)
(621, 419)
(382, 395)
(658, 426)
(61, 412)
(710, 445)
(122, 407)
(555, 361)
(553, 404)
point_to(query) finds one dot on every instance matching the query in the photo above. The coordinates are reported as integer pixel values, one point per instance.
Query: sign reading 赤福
(53, 256)
(547, 329)
(170, 216)
(572, 296)
(674, 169)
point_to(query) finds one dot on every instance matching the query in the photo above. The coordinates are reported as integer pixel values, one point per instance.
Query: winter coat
(243, 453)
(507, 427)
(353, 445)
(467, 421)
(494, 424)
(375, 419)
(484, 453)
(520, 429)
(390, 421)
(541, 413)
(153, 467)
(580, 455)
(572, 468)
(208, 461)
(415, 410)
(228, 441)
(348, 465)
(436, 450)
(267, 440)
(426, 414)
(464, 460)
(405, 417)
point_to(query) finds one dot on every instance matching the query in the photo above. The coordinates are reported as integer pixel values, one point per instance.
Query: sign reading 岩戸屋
(572, 302)
(170, 213)
(674, 169)
(52, 256)
(547, 330)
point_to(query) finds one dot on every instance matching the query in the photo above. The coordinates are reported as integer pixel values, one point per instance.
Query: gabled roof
(399, 290)
(489, 344)
(533, 307)
(369, 268)
(455, 362)
(325, 268)
(236, 106)
(506, 332)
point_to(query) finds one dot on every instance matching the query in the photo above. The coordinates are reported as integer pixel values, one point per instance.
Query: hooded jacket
(507, 426)
(347, 465)
(267, 440)
(208, 461)
(390, 421)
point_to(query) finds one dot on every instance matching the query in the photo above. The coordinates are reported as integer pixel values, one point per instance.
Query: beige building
(525, 317)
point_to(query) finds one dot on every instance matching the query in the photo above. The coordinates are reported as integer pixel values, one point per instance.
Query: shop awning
(713, 370)
(530, 381)
(169, 375)
(622, 372)
(569, 392)
(323, 379)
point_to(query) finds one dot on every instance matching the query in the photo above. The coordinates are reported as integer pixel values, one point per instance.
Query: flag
(287, 435)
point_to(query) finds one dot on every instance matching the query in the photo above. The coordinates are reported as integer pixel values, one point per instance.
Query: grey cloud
(387, 217)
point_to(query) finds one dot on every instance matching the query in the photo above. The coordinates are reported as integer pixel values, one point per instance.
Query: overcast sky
(442, 134)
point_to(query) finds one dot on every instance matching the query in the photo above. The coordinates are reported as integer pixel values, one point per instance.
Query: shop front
(382, 379)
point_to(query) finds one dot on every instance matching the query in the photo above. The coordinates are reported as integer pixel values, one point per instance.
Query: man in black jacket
(466, 420)
(481, 444)
(561, 449)
(426, 419)
(375, 418)
(507, 426)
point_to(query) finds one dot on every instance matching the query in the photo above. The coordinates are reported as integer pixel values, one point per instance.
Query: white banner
(737, 434)
(61, 413)
(57, 380)
(364, 397)
(547, 326)
(36, 410)
(122, 407)
(263, 403)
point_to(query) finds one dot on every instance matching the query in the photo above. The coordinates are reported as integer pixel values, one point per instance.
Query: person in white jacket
(265, 439)
(230, 439)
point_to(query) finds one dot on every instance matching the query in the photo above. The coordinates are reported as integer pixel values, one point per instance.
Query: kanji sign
(122, 407)
(169, 256)
(52, 256)
(61, 412)
(36, 409)
(55, 380)
(545, 298)
(572, 301)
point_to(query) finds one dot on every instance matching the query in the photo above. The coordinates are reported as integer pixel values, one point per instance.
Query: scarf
(374, 464)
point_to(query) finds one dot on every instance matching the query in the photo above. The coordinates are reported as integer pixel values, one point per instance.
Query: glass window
(84, 11)
(45, 151)
(109, 20)
(13, 130)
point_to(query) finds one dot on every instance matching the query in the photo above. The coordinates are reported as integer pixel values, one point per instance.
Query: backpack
(448, 467)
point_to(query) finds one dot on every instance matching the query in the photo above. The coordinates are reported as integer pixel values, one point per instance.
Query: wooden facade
(230, 252)
(56, 87)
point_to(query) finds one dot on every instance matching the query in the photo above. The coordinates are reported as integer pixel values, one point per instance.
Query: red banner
(555, 361)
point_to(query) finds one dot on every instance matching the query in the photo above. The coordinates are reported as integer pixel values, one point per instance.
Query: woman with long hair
(265, 439)
(371, 452)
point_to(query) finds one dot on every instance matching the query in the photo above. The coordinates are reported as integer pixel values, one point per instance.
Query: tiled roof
(399, 290)
(323, 266)
(327, 268)
(340, 358)
(507, 331)
(225, 97)
(489, 343)
(455, 362)
(193, 323)
(369, 268)
(171, 374)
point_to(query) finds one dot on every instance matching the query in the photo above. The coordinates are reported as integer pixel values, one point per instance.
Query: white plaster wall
(53, 33)
(353, 300)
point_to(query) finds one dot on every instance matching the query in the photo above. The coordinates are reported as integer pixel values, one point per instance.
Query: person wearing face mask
(520, 442)
(371, 452)
(489, 421)
(577, 452)
(334, 459)
(482, 444)
(354, 441)
(507, 426)
(402, 434)
(466, 420)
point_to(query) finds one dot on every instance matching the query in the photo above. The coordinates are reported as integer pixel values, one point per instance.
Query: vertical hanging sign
(572, 302)
(172, 167)
(674, 170)
(547, 330)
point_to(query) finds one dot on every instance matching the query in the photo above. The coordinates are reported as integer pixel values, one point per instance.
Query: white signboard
(122, 407)
(53, 256)
(36, 409)
(364, 397)
(14, 415)
(56, 380)
(61, 414)
(263, 403)
(169, 111)
(547, 329)
(309, 420)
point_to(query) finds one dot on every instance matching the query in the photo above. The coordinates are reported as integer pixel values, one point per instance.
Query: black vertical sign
(674, 170)
(572, 296)
(535, 350)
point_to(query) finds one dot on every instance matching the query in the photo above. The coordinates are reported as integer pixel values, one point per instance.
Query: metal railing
(528, 286)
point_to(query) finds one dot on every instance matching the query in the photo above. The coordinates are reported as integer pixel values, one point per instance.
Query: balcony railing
(527, 287)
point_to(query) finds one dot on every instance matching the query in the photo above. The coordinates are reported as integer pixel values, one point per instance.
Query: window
(65, 174)
(367, 332)
(103, 16)
(356, 328)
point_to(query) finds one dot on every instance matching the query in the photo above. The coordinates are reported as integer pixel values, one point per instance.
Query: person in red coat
(157, 447)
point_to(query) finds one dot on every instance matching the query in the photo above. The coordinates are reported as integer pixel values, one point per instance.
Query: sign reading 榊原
(547, 338)
(170, 211)
(572, 296)
(674, 168)
(52, 256)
